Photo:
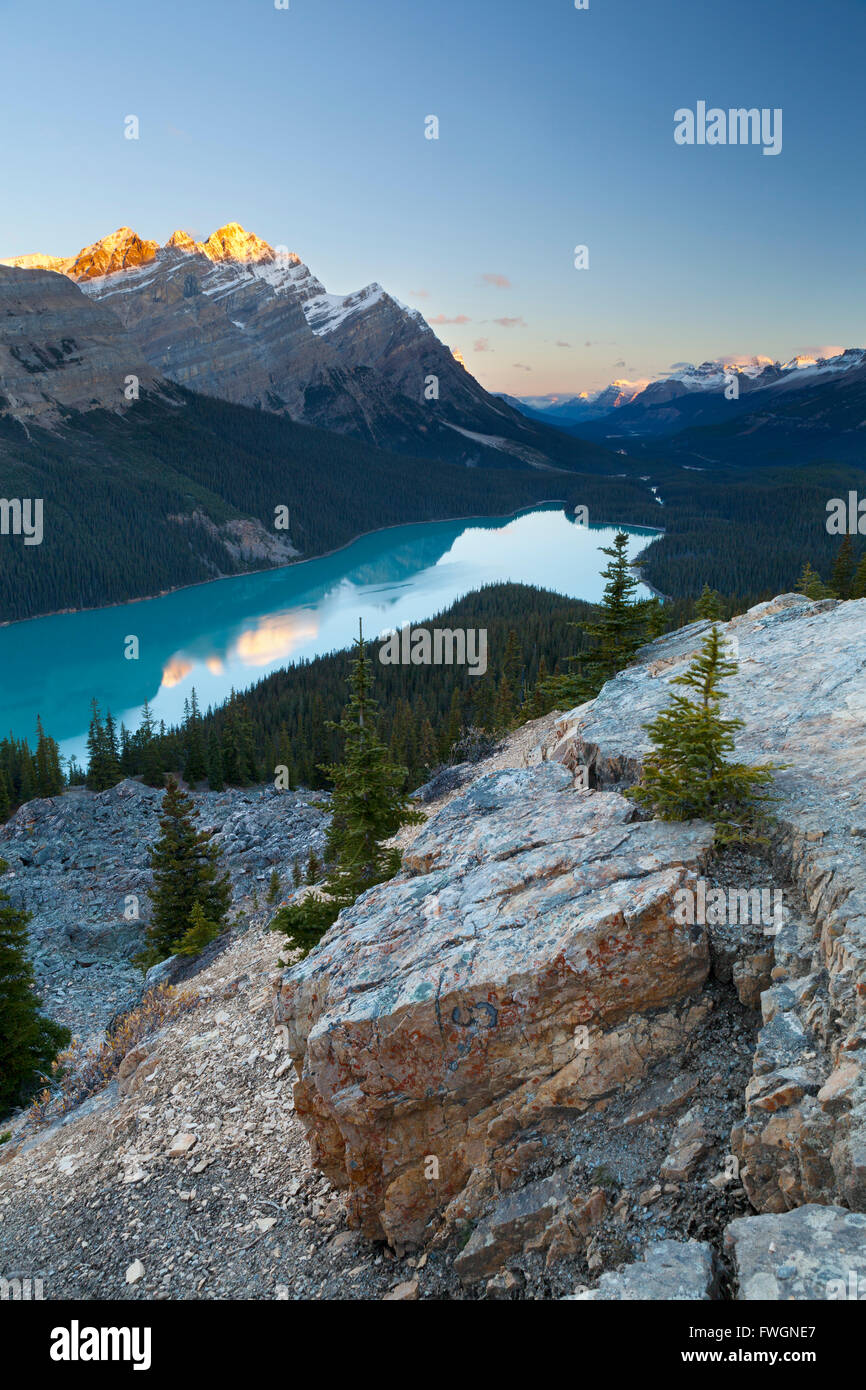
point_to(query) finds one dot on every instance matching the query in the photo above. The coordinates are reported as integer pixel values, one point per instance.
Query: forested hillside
(138, 504)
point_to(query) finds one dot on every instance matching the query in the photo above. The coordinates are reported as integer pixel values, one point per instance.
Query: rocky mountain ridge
(638, 402)
(60, 352)
(236, 318)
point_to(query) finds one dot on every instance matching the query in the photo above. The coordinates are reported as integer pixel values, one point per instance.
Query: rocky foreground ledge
(522, 999)
(801, 692)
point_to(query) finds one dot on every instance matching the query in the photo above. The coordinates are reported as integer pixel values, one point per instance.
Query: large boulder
(812, 1252)
(670, 1271)
(524, 965)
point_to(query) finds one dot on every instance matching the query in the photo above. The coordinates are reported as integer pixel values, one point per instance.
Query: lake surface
(232, 632)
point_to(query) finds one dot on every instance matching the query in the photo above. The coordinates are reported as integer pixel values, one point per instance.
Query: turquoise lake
(232, 632)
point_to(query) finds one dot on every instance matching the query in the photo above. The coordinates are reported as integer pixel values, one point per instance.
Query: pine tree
(313, 866)
(29, 1042)
(483, 698)
(111, 752)
(621, 625)
(128, 752)
(94, 749)
(687, 775)
(655, 617)
(195, 767)
(367, 808)
(199, 933)
(5, 798)
(297, 873)
(811, 584)
(619, 630)
(285, 757)
(103, 760)
(246, 745)
(274, 887)
(539, 700)
(75, 776)
(455, 721)
(858, 587)
(709, 605)
(512, 661)
(214, 763)
(27, 779)
(187, 869)
(504, 709)
(153, 772)
(49, 774)
(843, 570)
(428, 748)
(231, 763)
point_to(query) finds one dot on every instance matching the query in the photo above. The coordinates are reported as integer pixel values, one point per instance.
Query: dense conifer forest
(429, 715)
(138, 504)
(133, 504)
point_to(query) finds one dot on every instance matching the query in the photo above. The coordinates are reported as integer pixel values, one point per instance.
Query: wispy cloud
(481, 345)
(521, 366)
(510, 323)
(420, 294)
(568, 345)
(441, 318)
(501, 282)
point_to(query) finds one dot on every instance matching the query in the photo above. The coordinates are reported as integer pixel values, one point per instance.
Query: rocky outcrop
(524, 966)
(813, 1252)
(527, 965)
(59, 351)
(801, 692)
(671, 1270)
(80, 864)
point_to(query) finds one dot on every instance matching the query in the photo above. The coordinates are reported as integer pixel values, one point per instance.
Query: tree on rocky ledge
(687, 777)
(187, 871)
(368, 806)
(29, 1042)
(623, 623)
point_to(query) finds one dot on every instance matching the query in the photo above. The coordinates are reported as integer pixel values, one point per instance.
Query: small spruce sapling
(687, 776)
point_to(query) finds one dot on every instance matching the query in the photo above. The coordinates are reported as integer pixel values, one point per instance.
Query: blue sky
(556, 128)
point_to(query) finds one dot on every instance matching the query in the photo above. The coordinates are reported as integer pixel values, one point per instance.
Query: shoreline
(310, 559)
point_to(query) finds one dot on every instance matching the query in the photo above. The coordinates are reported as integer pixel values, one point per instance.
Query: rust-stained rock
(526, 964)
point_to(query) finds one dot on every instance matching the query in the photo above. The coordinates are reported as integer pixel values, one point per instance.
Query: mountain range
(690, 394)
(235, 318)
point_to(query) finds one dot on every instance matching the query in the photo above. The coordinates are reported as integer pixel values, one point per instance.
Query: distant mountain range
(689, 395)
(234, 318)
